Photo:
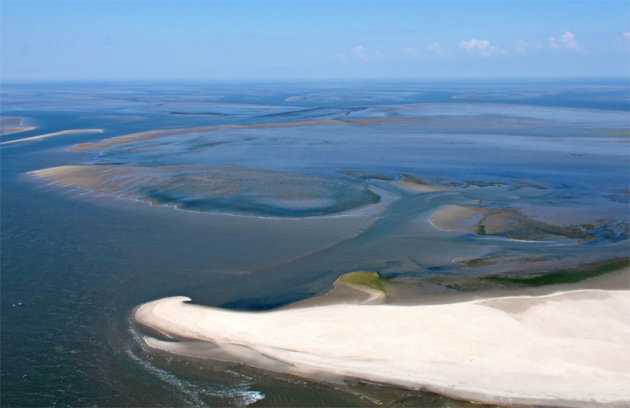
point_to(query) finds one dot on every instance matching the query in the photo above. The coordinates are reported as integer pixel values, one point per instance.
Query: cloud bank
(482, 47)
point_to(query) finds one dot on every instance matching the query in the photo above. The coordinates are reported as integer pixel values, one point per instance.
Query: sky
(275, 40)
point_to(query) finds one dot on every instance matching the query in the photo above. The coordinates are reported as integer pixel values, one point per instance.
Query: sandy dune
(565, 349)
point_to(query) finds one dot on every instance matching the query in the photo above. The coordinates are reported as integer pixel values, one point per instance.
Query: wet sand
(548, 349)
(458, 218)
(412, 185)
(75, 175)
(505, 221)
(233, 190)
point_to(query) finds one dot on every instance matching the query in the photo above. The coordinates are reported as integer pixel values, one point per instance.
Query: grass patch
(481, 229)
(368, 279)
(534, 259)
(512, 280)
(558, 276)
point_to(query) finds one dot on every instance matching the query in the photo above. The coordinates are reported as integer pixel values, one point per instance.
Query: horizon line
(12, 81)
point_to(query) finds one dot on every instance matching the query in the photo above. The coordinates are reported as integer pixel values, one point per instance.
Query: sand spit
(414, 185)
(9, 130)
(46, 135)
(152, 134)
(565, 349)
(11, 125)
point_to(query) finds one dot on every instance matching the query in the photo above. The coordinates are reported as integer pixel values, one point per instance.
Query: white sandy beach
(566, 349)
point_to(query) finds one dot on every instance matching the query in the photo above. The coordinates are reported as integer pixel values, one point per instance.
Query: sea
(273, 192)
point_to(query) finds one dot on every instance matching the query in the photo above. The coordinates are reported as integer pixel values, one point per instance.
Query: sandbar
(221, 189)
(9, 130)
(153, 134)
(11, 125)
(46, 135)
(503, 221)
(84, 176)
(459, 218)
(569, 348)
(415, 185)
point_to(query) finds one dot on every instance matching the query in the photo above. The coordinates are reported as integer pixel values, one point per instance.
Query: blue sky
(213, 40)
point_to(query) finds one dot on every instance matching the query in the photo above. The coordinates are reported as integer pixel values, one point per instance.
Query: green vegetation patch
(558, 276)
(481, 229)
(535, 259)
(512, 280)
(363, 278)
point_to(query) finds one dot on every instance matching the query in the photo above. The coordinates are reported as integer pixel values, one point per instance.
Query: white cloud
(436, 49)
(482, 47)
(626, 34)
(359, 52)
(566, 40)
(411, 52)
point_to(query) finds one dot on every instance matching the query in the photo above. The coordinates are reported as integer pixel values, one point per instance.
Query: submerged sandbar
(47, 135)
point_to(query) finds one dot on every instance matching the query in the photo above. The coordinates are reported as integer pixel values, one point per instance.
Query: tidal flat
(260, 197)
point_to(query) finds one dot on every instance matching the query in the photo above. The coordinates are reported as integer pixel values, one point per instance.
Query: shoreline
(525, 339)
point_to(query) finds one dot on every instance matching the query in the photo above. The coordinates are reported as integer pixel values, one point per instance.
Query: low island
(538, 348)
